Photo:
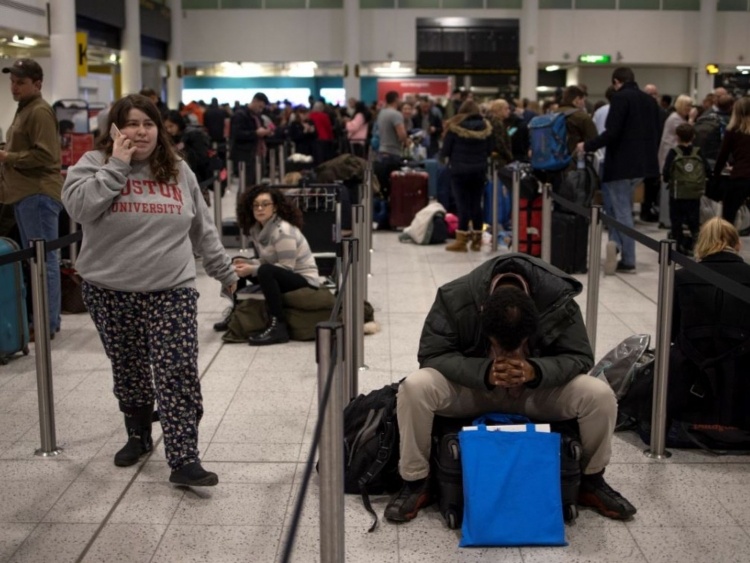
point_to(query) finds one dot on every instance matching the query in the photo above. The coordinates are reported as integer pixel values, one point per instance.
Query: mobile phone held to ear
(114, 132)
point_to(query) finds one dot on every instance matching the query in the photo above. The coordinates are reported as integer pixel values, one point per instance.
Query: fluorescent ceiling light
(394, 71)
(552, 68)
(743, 67)
(395, 65)
(302, 68)
(23, 41)
(545, 88)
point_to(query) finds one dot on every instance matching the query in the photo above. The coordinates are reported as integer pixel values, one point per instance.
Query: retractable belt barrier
(668, 257)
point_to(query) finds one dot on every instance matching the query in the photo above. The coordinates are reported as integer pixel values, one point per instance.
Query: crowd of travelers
(508, 335)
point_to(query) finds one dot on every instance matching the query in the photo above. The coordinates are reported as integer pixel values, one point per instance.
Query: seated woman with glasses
(284, 261)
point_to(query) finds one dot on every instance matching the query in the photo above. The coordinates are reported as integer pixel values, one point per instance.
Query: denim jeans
(37, 216)
(618, 204)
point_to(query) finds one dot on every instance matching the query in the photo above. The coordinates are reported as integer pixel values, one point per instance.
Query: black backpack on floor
(371, 443)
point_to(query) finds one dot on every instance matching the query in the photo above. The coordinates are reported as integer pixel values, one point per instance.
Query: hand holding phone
(122, 147)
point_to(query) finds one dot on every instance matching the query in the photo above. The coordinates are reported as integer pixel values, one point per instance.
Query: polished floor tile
(260, 414)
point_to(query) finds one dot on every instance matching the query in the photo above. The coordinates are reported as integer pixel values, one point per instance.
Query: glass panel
(418, 3)
(285, 4)
(200, 4)
(365, 4)
(505, 4)
(684, 5)
(463, 4)
(596, 4)
(639, 4)
(732, 6)
(326, 3)
(555, 4)
(232, 4)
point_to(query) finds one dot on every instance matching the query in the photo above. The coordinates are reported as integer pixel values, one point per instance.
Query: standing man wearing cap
(30, 178)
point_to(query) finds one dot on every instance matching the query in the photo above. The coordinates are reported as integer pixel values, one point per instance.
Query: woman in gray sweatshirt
(142, 217)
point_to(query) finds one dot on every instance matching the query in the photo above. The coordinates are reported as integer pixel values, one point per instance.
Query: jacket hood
(549, 286)
(472, 127)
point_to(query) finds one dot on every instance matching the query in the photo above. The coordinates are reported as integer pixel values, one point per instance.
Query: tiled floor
(260, 411)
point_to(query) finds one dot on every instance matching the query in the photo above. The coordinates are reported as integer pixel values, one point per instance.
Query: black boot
(138, 425)
(193, 475)
(276, 333)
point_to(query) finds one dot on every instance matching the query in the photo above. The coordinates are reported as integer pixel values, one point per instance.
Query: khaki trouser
(427, 392)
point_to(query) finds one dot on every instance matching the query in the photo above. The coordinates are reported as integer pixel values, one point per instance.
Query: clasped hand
(510, 372)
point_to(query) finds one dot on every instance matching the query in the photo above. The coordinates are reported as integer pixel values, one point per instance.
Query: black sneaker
(406, 504)
(193, 475)
(624, 268)
(597, 494)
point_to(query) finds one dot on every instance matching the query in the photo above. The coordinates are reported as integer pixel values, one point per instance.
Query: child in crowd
(685, 172)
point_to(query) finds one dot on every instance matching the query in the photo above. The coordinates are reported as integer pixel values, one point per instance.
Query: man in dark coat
(632, 141)
(247, 135)
(507, 337)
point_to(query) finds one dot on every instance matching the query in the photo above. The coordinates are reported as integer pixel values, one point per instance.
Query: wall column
(528, 51)
(174, 83)
(61, 78)
(130, 60)
(351, 48)
(706, 47)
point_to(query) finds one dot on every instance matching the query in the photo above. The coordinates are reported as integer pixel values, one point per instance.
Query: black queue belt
(724, 283)
(28, 253)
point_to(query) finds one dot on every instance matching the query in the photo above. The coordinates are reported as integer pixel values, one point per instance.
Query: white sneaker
(610, 259)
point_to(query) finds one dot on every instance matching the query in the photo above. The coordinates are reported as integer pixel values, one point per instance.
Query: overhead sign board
(595, 59)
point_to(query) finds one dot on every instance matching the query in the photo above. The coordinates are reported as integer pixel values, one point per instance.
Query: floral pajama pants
(151, 340)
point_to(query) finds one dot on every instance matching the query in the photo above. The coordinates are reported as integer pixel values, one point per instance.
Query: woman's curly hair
(163, 160)
(285, 207)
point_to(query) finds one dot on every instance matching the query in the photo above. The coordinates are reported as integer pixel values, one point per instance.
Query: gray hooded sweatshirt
(139, 234)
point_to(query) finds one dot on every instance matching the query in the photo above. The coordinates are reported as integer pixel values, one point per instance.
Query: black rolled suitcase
(445, 469)
(570, 240)
(446, 472)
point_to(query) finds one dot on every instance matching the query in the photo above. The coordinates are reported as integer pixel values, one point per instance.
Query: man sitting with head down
(507, 337)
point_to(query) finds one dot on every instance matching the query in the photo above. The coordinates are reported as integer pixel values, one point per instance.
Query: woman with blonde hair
(680, 115)
(709, 361)
(736, 144)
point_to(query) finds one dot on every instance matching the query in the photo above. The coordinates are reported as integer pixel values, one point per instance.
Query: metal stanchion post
(272, 166)
(74, 246)
(351, 362)
(595, 258)
(330, 348)
(217, 201)
(546, 222)
(661, 359)
(367, 200)
(45, 393)
(359, 225)
(258, 169)
(515, 210)
(230, 164)
(282, 162)
(240, 191)
(495, 202)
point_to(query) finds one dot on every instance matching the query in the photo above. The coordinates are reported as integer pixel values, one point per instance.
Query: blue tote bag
(511, 488)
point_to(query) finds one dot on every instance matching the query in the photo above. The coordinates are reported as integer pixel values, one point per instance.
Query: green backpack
(687, 176)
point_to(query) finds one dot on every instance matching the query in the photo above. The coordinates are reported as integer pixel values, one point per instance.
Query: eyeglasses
(262, 204)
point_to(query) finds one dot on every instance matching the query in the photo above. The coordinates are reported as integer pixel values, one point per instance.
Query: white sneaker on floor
(610, 259)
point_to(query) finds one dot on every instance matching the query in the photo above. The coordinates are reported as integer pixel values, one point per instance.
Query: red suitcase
(409, 194)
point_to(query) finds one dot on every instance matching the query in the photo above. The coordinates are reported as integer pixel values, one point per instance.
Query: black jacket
(632, 136)
(213, 121)
(453, 344)
(520, 141)
(244, 136)
(435, 121)
(468, 144)
(706, 322)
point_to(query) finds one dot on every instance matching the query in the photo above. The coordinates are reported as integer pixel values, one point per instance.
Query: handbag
(511, 488)
(71, 296)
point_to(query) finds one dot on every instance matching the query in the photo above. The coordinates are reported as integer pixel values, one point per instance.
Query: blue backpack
(549, 141)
